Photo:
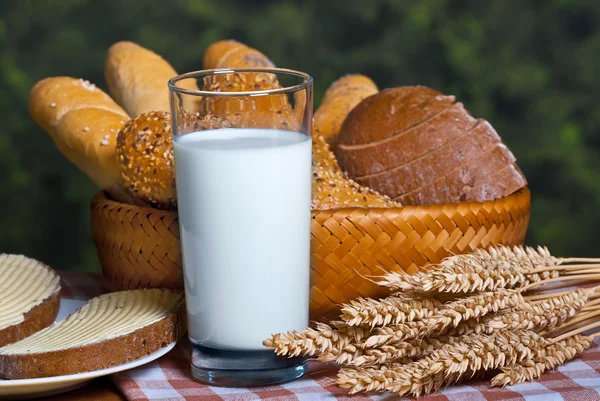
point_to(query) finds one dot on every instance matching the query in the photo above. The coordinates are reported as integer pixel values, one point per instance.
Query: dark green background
(529, 67)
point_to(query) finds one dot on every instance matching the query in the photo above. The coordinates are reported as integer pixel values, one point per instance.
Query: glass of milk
(242, 145)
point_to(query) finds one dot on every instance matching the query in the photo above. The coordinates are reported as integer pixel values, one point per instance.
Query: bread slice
(110, 330)
(426, 169)
(29, 297)
(404, 147)
(458, 184)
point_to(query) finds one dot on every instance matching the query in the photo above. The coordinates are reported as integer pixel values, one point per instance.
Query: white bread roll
(137, 78)
(84, 122)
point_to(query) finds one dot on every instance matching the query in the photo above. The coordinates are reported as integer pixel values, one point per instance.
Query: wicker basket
(139, 247)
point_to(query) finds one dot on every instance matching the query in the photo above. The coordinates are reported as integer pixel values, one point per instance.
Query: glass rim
(308, 82)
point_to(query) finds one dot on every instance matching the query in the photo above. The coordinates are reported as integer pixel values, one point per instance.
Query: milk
(244, 216)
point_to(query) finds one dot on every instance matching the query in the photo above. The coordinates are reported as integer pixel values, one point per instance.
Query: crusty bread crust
(339, 99)
(412, 143)
(389, 113)
(137, 78)
(427, 168)
(36, 319)
(99, 355)
(465, 182)
(83, 122)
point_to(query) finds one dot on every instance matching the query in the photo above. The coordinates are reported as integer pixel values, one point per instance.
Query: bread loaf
(420, 147)
(109, 330)
(137, 78)
(412, 143)
(457, 185)
(29, 299)
(145, 154)
(83, 122)
(423, 170)
(390, 112)
(272, 111)
(339, 99)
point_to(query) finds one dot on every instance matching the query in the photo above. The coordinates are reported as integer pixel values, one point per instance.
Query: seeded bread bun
(137, 78)
(331, 189)
(145, 157)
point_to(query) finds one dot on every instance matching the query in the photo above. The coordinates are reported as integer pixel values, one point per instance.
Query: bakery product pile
(400, 146)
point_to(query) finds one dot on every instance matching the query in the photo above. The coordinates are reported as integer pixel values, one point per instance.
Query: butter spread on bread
(109, 330)
(29, 297)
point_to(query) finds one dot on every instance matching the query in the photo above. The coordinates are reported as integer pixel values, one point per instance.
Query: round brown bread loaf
(390, 112)
(417, 146)
(412, 143)
(472, 181)
(421, 171)
(145, 155)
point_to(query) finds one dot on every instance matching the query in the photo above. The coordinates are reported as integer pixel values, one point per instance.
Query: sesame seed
(101, 129)
(121, 122)
(53, 104)
(104, 142)
(112, 130)
(106, 136)
(86, 129)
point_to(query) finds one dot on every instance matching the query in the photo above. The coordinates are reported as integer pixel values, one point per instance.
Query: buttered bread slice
(29, 297)
(110, 330)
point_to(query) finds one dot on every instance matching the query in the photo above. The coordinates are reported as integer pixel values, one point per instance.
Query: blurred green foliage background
(529, 67)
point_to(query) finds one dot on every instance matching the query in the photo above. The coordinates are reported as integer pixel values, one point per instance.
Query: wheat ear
(386, 311)
(413, 349)
(445, 365)
(482, 270)
(550, 357)
(544, 314)
(450, 315)
(321, 340)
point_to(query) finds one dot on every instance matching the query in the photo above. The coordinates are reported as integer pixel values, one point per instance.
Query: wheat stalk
(482, 270)
(390, 310)
(412, 349)
(321, 340)
(451, 315)
(544, 314)
(446, 365)
(549, 357)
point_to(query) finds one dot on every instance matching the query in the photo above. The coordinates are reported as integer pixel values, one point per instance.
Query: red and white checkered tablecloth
(169, 378)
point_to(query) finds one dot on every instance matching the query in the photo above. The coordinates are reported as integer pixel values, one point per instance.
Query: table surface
(101, 389)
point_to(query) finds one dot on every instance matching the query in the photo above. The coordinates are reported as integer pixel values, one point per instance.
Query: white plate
(32, 388)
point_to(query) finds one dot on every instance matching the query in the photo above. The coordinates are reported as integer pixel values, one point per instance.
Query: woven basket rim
(102, 197)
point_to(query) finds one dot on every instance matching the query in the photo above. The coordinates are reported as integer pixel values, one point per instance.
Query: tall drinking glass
(243, 169)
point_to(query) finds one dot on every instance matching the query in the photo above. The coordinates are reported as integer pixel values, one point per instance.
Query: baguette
(272, 111)
(137, 78)
(83, 122)
(109, 330)
(339, 99)
(29, 299)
